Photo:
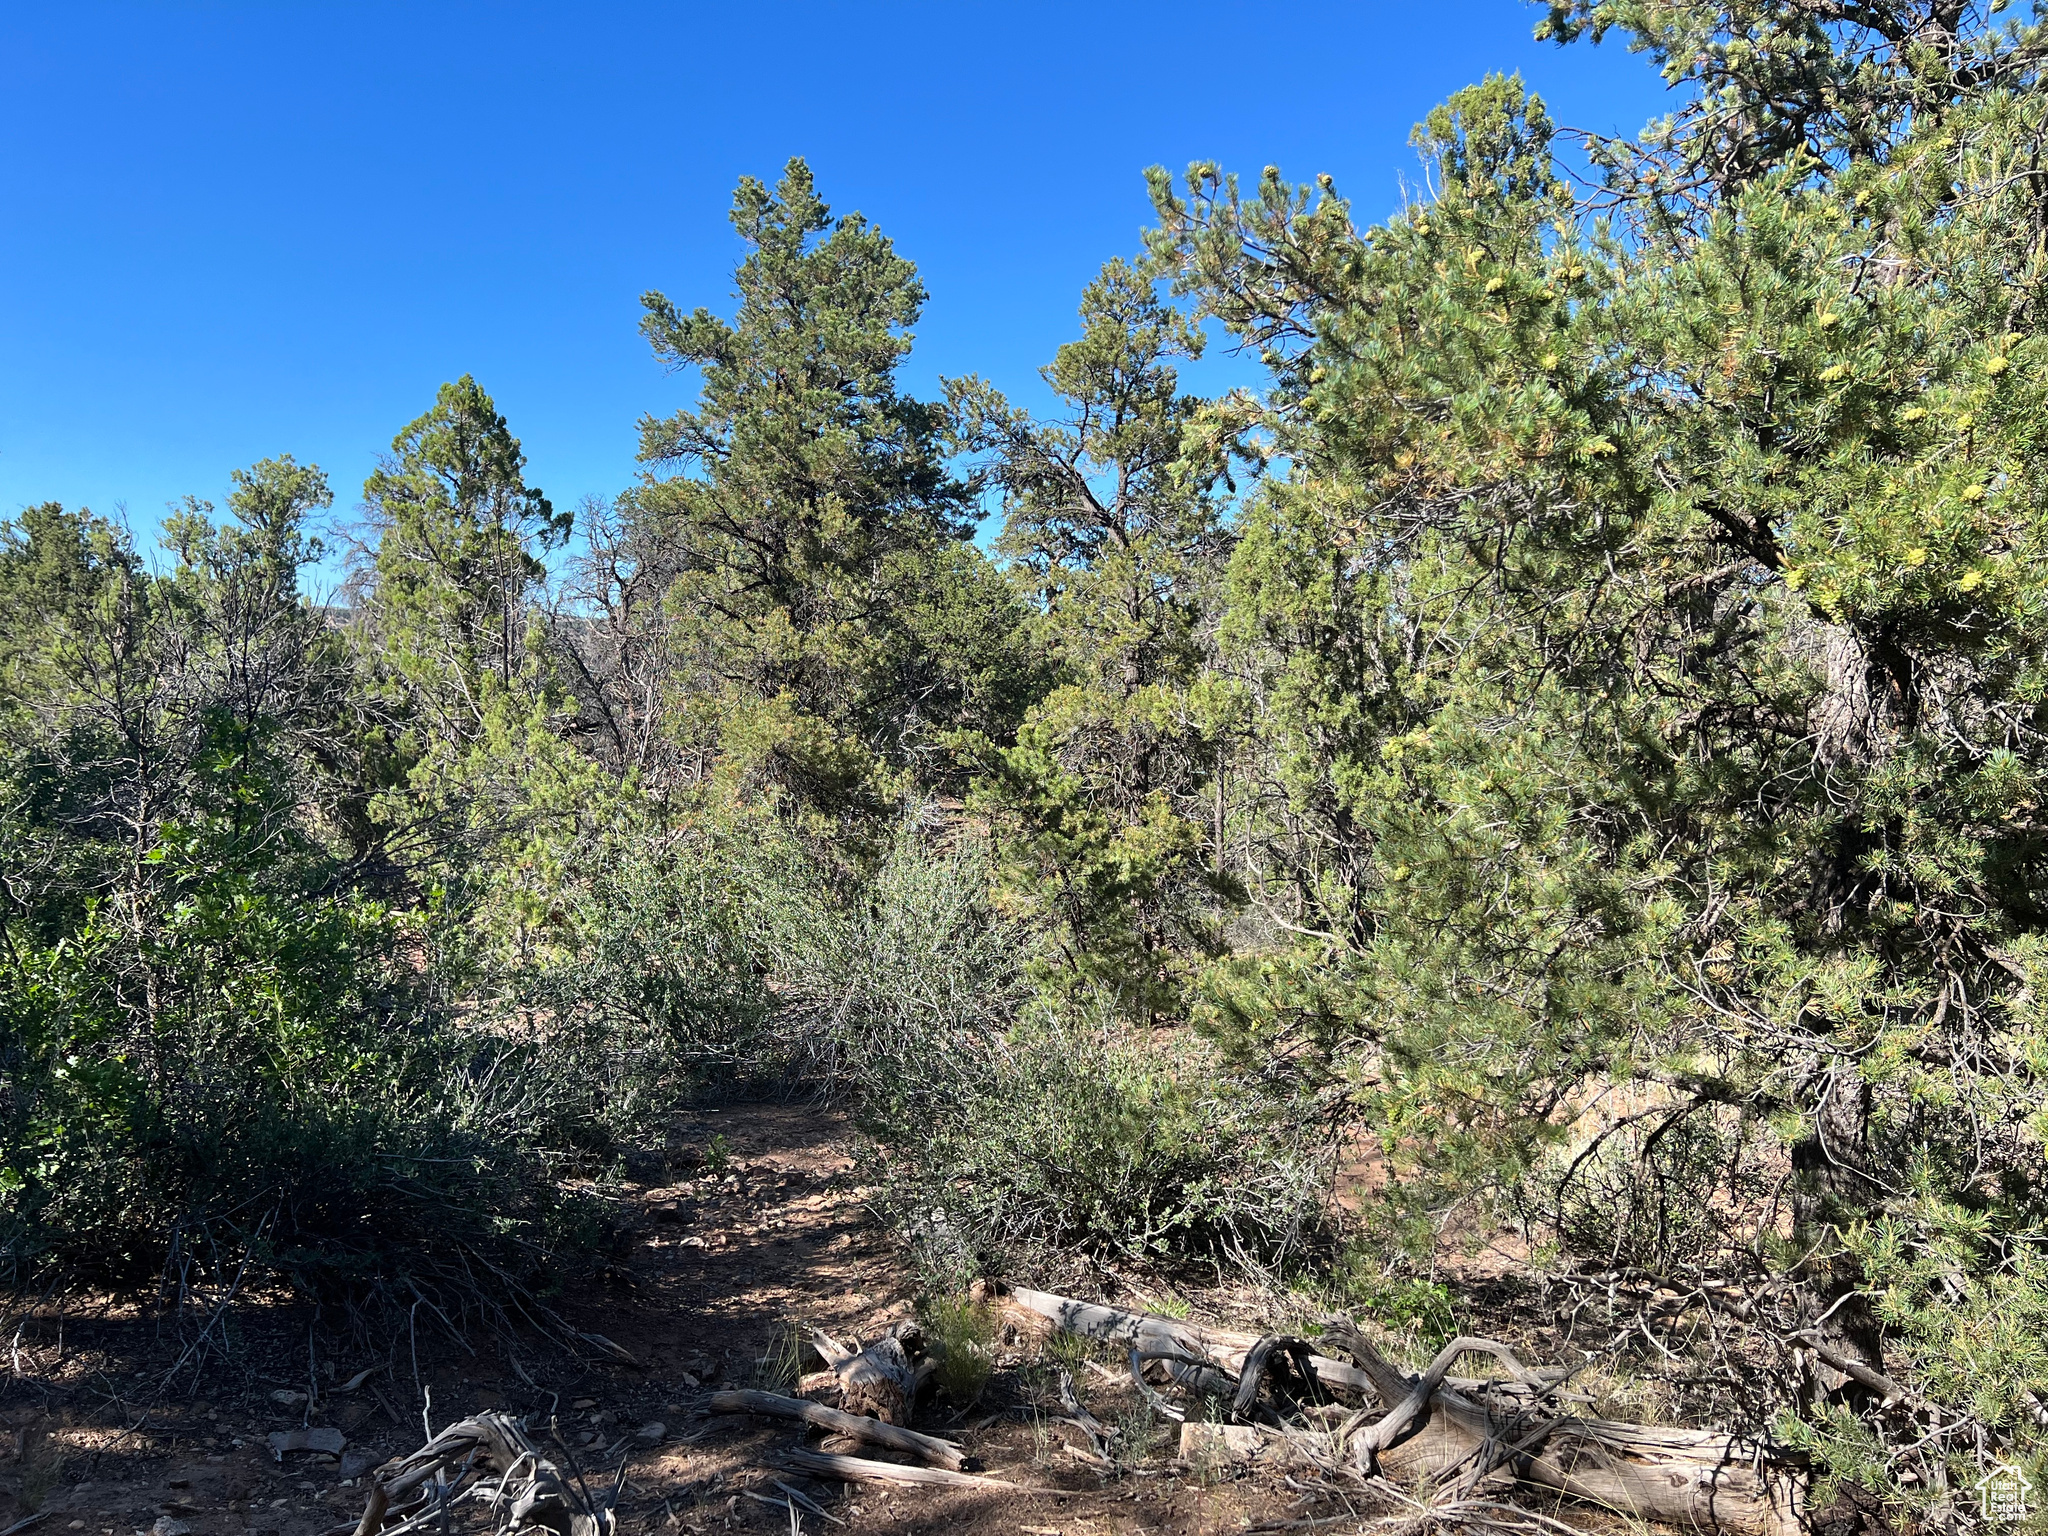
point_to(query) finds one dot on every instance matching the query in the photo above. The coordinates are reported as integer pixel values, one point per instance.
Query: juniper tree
(1113, 534)
(807, 533)
(461, 537)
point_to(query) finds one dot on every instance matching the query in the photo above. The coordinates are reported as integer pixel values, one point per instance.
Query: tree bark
(877, 1381)
(858, 1469)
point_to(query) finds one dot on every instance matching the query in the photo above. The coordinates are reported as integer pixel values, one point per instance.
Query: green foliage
(881, 977)
(962, 1335)
(782, 1367)
(461, 536)
(803, 527)
(1114, 539)
(1007, 1134)
(1407, 1304)
(1640, 618)
(1135, 1436)
(1593, 750)
(1065, 1136)
(717, 1155)
(210, 1046)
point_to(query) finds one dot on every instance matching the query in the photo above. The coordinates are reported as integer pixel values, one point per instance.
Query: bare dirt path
(756, 1228)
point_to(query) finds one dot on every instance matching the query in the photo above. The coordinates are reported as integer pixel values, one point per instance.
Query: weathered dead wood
(939, 1453)
(529, 1490)
(858, 1469)
(1258, 1360)
(1077, 1414)
(1158, 1404)
(1407, 1410)
(1697, 1478)
(878, 1381)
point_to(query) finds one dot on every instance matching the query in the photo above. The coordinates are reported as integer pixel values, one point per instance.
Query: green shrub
(1065, 1136)
(1008, 1131)
(1401, 1303)
(650, 989)
(254, 1080)
(962, 1334)
(881, 974)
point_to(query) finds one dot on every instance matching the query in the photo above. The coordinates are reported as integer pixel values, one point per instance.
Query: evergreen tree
(802, 516)
(1675, 601)
(461, 537)
(1115, 537)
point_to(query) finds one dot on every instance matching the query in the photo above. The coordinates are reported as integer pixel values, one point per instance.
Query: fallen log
(1258, 1360)
(878, 1382)
(858, 1469)
(1697, 1478)
(939, 1453)
(1165, 1337)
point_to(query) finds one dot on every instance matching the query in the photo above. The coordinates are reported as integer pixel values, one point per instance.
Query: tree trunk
(929, 1448)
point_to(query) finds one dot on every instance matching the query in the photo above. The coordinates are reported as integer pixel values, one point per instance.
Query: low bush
(1067, 1136)
(1009, 1130)
(252, 1085)
(651, 988)
(962, 1334)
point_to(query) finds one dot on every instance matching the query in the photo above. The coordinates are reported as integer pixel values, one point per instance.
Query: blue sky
(230, 231)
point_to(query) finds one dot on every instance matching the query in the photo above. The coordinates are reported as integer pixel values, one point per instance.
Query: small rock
(693, 1242)
(167, 1526)
(651, 1432)
(287, 1399)
(324, 1439)
(691, 1381)
(584, 1402)
(1218, 1444)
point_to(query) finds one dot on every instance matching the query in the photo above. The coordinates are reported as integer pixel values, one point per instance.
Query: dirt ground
(770, 1230)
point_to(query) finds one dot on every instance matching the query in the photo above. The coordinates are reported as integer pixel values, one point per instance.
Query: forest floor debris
(723, 1265)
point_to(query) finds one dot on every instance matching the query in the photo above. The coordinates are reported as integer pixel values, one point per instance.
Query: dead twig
(529, 1490)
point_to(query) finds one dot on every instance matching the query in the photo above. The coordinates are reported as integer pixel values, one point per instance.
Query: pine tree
(805, 529)
(1655, 620)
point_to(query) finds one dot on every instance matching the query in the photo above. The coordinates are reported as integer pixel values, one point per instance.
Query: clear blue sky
(230, 231)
